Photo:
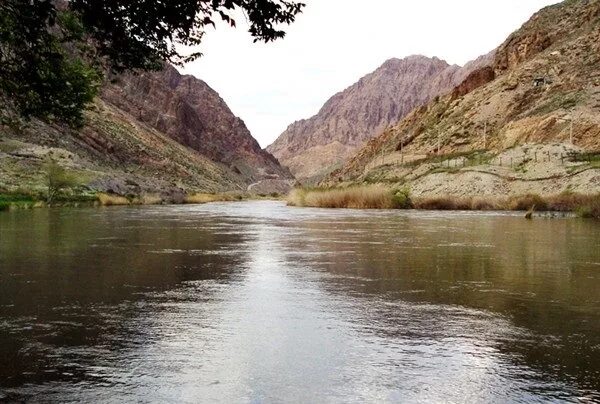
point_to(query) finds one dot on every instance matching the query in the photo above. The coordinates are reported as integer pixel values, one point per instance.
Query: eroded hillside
(544, 88)
(313, 147)
(159, 133)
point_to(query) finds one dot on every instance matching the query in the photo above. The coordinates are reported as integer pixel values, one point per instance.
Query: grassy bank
(32, 200)
(379, 197)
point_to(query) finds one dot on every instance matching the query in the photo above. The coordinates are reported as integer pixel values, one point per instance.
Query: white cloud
(335, 42)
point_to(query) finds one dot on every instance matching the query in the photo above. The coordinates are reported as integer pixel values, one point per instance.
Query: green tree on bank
(52, 52)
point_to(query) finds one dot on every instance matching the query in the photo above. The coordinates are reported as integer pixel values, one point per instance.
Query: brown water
(257, 302)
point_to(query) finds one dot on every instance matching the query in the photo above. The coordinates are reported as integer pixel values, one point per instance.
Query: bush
(58, 180)
(585, 212)
(401, 199)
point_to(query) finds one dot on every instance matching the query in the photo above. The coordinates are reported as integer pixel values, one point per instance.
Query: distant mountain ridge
(363, 110)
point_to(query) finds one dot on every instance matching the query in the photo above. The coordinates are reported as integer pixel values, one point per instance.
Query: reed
(112, 200)
(200, 198)
(379, 197)
(368, 197)
(147, 199)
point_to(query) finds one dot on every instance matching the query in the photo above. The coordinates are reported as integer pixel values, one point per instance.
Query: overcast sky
(335, 42)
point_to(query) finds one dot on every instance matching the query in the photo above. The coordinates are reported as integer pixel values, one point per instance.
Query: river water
(258, 302)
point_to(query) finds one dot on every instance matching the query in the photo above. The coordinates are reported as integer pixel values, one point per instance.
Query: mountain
(159, 132)
(513, 120)
(313, 146)
(189, 111)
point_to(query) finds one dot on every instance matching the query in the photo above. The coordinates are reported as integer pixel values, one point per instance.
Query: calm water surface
(257, 302)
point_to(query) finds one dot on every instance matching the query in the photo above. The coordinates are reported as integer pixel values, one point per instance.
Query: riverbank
(380, 197)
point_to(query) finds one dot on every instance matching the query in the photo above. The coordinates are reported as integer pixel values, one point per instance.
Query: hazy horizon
(270, 86)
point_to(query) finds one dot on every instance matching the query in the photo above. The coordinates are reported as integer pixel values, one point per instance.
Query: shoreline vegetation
(380, 197)
(355, 197)
(26, 200)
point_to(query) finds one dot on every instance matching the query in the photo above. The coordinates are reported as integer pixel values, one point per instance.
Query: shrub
(401, 199)
(58, 180)
(585, 212)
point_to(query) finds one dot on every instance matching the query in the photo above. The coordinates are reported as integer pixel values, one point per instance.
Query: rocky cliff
(543, 93)
(160, 133)
(189, 111)
(313, 146)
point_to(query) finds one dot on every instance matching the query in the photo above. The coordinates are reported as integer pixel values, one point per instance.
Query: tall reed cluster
(379, 197)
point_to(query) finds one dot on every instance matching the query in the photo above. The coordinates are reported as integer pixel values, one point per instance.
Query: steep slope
(189, 111)
(543, 88)
(159, 133)
(113, 153)
(363, 110)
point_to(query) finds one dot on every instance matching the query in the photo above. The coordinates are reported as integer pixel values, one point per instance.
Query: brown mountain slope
(547, 76)
(189, 111)
(159, 133)
(112, 153)
(363, 110)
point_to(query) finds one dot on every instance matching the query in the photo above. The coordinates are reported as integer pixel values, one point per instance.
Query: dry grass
(379, 197)
(148, 199)
(444, 203)
(207, 198)
(112, 200)
(296, 197)
(526, 202)
(583, 205)
(369, 197)
(565, 202)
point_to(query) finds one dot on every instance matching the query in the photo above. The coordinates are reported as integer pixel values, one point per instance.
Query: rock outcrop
(476, 79)
(313, 147)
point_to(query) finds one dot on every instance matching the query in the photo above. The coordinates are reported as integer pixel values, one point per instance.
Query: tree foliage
(57, 180)
(41, 72)
(51, 51)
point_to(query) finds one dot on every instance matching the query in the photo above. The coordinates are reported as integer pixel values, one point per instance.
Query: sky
(333, 43)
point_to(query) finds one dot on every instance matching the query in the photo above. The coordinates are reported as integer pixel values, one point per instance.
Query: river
(258, 302)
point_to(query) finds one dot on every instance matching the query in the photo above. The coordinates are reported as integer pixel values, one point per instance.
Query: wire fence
(478, 159)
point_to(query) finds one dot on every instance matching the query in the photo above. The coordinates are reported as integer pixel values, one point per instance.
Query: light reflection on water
(263, 303)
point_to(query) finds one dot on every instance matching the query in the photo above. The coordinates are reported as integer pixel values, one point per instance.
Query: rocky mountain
(541, 93)
(313, 146)
(160, 133)
(189, 111)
